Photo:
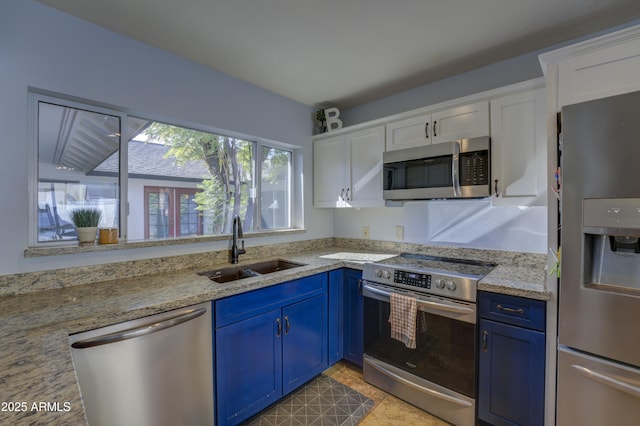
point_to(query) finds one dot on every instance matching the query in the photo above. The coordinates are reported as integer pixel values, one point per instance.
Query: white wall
(461, 223)
(48, 50)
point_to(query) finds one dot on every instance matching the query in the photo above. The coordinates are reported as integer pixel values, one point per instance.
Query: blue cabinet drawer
(245, 305)
(514, 310)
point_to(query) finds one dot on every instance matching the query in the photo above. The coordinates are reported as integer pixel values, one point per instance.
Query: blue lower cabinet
(353, 317)
(511, 362)
(266, 355)
(304, 342)
(248, 367)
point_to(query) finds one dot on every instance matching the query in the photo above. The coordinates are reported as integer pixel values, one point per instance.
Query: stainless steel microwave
(457, 169)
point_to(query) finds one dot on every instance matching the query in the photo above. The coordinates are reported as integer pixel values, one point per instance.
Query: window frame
(35, 97)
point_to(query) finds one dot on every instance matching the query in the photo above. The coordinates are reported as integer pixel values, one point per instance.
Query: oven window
(445, 351)
(427, 173)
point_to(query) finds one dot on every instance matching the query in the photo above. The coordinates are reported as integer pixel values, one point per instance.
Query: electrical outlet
(366, 232)
(399, 232)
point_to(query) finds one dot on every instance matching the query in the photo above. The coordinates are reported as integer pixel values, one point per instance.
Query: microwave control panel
(474, 168)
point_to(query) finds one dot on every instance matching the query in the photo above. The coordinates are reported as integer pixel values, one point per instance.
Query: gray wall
(509, 71)
(48, 50)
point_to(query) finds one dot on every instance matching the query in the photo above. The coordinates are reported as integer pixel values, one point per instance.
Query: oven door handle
(440, 395)
(443, 306)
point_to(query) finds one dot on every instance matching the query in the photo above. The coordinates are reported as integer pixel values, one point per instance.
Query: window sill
(76, 249)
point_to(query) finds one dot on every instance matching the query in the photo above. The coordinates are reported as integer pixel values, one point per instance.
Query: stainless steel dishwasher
(156, 370)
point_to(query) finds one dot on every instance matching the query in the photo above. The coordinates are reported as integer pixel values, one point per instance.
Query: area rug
(322, 401)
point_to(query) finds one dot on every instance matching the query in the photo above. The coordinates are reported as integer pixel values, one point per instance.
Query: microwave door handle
(455, 163)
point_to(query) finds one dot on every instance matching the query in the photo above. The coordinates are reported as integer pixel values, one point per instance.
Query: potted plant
(86, 221)
(320, 118)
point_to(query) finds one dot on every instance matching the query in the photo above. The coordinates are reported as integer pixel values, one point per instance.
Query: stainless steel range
(439, 375)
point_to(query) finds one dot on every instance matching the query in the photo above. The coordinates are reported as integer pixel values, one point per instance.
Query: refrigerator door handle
(608, 380)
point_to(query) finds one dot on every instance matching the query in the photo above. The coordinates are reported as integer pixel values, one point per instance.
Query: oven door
(445, 352)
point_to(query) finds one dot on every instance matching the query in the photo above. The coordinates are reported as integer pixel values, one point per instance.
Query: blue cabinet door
(248, 366)
(353, 316)
(304, 343)
(512, 374)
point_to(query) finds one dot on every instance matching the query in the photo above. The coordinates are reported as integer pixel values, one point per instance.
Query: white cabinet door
(408, 133)
(365, 186)
(609, 71)
(329, 171)
(518, 148)
(462, 122)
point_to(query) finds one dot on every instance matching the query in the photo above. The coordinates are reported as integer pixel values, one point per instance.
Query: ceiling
(348, 52)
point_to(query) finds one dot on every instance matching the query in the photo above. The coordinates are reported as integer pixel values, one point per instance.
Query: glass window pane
(211, 176)
(276, 188)
(78, 166)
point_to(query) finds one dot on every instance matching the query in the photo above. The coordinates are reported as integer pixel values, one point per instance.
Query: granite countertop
(35, 359)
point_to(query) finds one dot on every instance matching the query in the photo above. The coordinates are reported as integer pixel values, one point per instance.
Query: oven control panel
(412, 278)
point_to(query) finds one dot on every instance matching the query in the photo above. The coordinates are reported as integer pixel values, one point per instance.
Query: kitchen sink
(233, 273)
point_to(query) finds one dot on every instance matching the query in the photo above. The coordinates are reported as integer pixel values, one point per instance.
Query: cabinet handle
(287, 326)
(495, 187)
(360, 286)
(434, 129)
(485, 336)
(348, 194)
(510, 310)
(279, 327)
(342, 194)
(426, 130)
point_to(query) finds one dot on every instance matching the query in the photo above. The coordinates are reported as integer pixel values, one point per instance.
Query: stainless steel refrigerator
(599, 296)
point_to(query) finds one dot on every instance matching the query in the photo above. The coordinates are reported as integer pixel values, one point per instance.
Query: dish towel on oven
(403, 319)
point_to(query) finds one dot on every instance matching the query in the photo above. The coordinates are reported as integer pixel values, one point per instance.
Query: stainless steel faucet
(237, 233)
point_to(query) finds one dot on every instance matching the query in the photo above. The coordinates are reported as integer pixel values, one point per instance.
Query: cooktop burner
(441, 276)
(442, 265)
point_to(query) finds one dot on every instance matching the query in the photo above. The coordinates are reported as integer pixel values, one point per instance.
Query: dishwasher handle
(139, 331)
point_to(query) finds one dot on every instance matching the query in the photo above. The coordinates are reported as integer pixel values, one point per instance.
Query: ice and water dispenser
(611, 254)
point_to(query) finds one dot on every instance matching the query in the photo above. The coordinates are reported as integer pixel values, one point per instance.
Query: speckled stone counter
(35, 359)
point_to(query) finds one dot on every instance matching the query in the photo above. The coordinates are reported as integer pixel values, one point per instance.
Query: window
(176, 181)
(73, 143)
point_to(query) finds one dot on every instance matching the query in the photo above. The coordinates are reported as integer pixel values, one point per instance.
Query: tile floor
(323, 401)
(388, 410)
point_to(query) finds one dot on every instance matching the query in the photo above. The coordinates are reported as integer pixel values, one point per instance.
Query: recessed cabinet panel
(461, 122)
(347, 169)
(518, 148)
(409, 133)
(600, 73)
(329, 171)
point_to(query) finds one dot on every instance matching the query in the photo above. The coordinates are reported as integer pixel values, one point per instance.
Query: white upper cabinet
(348, 169)
(604, 66)
(440, 126)
(329, 171)
(409, 132)
(467, 121)
(519, 148)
